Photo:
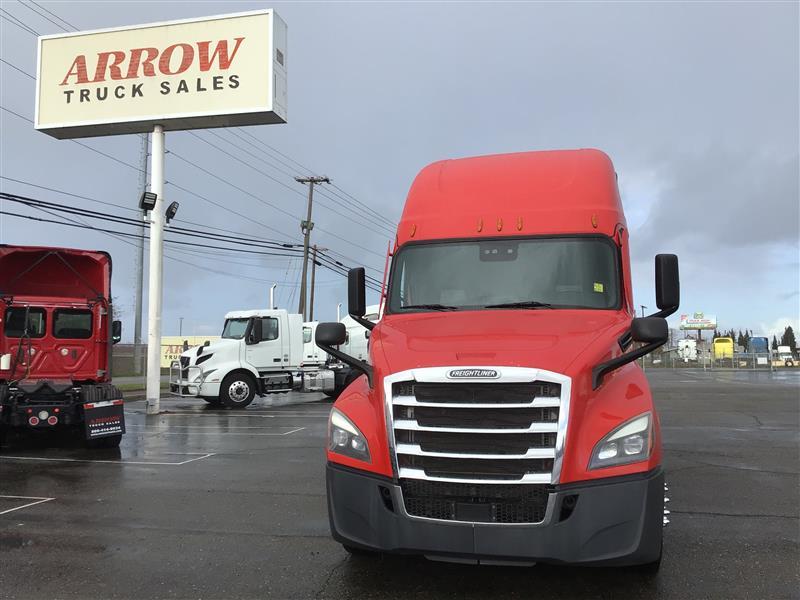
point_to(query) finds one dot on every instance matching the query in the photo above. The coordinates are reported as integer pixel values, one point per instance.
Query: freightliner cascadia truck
(56, 336)
(502, 416)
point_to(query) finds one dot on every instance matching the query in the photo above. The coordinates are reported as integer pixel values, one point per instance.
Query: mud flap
(103, 419)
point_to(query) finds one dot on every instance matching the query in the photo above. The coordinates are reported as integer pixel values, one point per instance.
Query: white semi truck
(785, 355)
(261, 351)
(687, 350)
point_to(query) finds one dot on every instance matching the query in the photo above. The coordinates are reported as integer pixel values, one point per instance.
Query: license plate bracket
(475, 513)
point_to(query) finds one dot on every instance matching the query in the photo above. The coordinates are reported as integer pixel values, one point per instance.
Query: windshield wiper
(522, 304)
(429, 307)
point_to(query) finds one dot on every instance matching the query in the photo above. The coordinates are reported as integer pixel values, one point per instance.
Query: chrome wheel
(239, 391)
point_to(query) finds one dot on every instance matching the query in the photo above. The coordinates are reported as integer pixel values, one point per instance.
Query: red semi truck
(502, 417)
(56, 336)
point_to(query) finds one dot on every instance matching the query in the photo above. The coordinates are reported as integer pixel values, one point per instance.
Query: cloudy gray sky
(696, 103)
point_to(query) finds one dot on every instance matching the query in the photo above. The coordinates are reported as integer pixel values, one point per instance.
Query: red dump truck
(56, 336)
(502, 416)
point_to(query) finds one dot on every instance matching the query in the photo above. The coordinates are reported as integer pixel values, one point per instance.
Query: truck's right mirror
(356, 292)
(116, 331)
(668, 287)
(650, 330)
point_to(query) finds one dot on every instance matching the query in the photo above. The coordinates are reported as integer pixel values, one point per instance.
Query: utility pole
(306, 227)
(313, 278)
(180, 326)
(137, 325)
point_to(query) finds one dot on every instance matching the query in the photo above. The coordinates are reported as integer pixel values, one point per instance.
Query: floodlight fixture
(171, 211)
(148, 201)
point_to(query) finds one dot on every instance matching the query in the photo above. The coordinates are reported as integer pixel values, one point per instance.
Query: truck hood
(544, 339)
(223, 349)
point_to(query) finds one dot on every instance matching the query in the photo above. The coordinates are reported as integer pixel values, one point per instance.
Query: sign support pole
(155, 274)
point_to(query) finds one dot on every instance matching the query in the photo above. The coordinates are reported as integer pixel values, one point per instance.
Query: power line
(122, 162)
(189, 191)
(42, 15)
(261, 200)
(248, 218)
(17, 22)
(240, 236)
(370, 213)
(366, 218)
(51, 13)
(286, 253)
(16, 68)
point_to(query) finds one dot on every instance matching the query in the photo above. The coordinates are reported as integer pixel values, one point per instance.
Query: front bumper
(616, 521)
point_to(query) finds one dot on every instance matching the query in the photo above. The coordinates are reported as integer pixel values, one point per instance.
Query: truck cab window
(269, 329)
(72, 324)
(15, 322)
(235, 329)
(561, 272)
(306, 335)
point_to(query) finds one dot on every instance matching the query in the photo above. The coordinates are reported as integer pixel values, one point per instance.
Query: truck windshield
(72, 324)
(235, 329)
(15, 322)
(513, 273)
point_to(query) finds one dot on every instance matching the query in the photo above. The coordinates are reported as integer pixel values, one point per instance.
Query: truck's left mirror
(116, 331)
(330, 334)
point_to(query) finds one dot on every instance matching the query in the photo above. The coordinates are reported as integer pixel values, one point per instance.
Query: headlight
(630, 442)
(345, 438)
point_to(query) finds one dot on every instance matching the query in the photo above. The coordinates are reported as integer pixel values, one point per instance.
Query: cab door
(264, 349)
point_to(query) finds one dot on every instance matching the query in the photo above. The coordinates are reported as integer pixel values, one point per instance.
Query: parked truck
(687, 350)
(722, 348)
(56, 338)
(785, 356)
(758, 345)
(502, 416)
(261, 351)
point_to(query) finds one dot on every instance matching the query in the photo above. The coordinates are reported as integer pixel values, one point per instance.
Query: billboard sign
(698, 320)
(226, 70)
(172, 346)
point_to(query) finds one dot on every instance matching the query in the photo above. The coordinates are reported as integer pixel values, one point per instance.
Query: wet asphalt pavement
(204, 503)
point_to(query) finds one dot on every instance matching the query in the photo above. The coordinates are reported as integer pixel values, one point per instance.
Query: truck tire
(237, 390)
(103, 443)
(212, 400)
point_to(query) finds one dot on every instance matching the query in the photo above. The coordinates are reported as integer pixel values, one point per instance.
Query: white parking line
(37, 501)
(216, 433)
(116, 462)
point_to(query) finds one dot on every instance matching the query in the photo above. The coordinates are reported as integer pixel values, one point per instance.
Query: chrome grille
(486, 440)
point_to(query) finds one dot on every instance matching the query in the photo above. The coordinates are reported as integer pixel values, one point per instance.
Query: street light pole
(180, 326)
(155, 274)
